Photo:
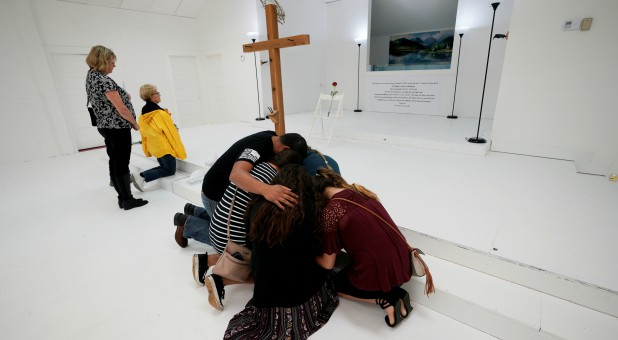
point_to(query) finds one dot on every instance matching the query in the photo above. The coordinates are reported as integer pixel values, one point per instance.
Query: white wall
(475, 17)
(557, 96)
(223, 26)
(141, 41)
(32, 123)
(33, 120)
(303, 68)
(348, 19)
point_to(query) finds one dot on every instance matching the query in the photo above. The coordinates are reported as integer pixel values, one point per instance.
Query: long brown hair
(273, 225)
(327, 178)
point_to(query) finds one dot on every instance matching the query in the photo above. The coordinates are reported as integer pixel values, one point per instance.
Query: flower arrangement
(333, 92)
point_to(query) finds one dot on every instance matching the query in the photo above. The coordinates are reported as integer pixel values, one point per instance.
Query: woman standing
(115, 118)
(293, 296)
(354, 219)
(160, 137)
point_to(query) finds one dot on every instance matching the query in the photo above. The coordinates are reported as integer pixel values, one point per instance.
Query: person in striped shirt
(264, 172)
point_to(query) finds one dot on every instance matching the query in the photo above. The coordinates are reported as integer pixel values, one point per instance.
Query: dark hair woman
(381, 258)
(293, 296)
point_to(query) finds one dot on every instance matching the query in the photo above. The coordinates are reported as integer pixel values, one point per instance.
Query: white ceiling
(181, 8)
(388, 16)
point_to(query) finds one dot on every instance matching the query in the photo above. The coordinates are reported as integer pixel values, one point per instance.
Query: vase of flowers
(333, 92)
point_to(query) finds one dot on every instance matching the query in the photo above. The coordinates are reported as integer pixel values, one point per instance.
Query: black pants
(118, 145)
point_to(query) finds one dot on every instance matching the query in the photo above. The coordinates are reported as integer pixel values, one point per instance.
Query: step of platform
(498, 296)
(506, 308)
(181, 183)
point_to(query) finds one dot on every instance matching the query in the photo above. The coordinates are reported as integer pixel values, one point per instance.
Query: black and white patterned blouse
(97, 84)
(264, 172)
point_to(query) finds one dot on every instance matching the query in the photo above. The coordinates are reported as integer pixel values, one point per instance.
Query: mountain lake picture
(433, 49)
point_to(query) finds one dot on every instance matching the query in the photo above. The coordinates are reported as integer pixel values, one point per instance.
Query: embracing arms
(277, 194)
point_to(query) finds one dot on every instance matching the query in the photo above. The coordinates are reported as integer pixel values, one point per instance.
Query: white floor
(77, 267)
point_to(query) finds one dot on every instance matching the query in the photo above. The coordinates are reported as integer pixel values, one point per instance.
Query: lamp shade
(359, 41)
(253, 35)
(462, 29)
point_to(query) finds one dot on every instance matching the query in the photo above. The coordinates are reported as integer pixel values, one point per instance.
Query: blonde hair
(328, 178)
(146, 91)
(100, 57)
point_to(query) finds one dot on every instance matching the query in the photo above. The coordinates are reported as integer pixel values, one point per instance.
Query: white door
(186, 88)
(70, 76)
(216, 87)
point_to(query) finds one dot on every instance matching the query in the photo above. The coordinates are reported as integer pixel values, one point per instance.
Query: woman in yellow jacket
(160, 137)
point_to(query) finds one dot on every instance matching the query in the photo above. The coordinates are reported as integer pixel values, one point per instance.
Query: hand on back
(281, 196)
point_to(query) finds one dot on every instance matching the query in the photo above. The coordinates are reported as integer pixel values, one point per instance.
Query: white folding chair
(328, 108)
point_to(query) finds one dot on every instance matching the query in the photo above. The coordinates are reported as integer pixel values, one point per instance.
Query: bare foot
(390, 311)
(403, 310)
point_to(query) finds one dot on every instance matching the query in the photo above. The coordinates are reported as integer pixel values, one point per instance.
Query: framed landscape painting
(427, 50)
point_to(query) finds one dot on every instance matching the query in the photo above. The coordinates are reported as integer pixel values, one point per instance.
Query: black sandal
(385, 303)
(404, 297)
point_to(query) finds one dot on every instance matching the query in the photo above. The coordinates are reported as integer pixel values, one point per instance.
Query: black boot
(133, 203)
(124, 188)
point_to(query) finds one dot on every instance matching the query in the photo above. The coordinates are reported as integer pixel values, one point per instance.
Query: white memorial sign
(404, 95)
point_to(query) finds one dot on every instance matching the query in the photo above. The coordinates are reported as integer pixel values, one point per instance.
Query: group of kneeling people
(289, 204)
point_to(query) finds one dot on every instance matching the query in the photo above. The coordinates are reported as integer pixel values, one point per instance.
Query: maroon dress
(381, 257)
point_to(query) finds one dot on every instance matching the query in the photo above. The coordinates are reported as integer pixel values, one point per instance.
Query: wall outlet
(572, 24)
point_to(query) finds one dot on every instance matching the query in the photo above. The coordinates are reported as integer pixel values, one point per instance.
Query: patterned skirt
(292, 323)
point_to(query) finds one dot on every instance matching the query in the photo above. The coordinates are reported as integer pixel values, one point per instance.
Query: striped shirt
(263, 172)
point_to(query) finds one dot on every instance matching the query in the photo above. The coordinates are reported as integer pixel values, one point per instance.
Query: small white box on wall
(572, 24)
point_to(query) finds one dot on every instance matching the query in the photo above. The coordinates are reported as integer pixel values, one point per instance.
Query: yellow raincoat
(159, 135)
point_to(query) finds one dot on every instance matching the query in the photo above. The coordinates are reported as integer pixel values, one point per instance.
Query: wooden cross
(273, 44)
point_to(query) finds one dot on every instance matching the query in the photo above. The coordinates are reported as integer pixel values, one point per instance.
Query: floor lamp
(358, 42)
(477, 139)
(253, 36)
(452, 116)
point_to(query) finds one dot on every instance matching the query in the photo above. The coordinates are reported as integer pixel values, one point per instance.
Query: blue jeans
(167, 168)
(197, 226)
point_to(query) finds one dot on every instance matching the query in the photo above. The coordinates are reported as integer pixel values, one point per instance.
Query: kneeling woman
(160, 138)
(293, 296)
(381, 258)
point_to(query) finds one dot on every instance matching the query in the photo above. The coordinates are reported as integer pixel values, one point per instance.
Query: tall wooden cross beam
(273, 44)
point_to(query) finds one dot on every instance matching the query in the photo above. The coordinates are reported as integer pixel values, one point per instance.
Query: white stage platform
(520, 247)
